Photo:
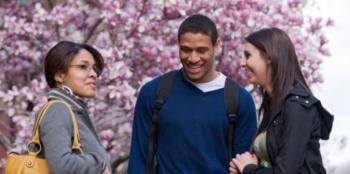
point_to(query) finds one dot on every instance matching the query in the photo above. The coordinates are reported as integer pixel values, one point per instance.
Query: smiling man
(192, 126)
(197, 57)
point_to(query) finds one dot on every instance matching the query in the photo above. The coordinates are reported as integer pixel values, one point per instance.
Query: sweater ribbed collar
(59, 94)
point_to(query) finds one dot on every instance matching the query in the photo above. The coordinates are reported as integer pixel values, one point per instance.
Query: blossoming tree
(138, 39)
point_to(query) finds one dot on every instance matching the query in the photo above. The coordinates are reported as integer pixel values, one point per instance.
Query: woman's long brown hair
(276, 46)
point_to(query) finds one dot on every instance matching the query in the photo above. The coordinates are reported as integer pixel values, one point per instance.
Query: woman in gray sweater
(71, 71)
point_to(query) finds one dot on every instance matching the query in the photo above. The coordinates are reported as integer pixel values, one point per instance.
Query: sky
(334, 93)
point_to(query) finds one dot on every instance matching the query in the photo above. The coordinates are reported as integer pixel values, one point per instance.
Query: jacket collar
(326, 118)
(59, 94)
(296, 90)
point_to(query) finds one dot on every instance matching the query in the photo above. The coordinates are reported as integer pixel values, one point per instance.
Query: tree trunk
(5, 133)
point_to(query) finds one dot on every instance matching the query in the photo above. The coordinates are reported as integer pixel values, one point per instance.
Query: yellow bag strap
(36, 138)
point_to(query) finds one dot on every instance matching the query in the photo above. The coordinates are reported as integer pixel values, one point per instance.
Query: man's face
(197, 56)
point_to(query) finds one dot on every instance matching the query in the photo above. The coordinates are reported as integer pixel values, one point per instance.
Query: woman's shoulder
(299, 95)
(58, 105)
(302, 101)
(299, 106)
(56, 111)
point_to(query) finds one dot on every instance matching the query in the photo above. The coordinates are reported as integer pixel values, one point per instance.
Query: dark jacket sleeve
(246, 125)
(140, 131)
(297, 128)
(56, 130)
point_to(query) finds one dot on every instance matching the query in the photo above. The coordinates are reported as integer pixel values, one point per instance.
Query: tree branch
(56, 27)
(92, 30)
(6, 126)
(5, 141)
(119, 161)
(134, 29)
(50, 3)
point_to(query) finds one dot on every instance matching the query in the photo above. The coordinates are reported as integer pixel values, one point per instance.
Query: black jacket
(293, 135)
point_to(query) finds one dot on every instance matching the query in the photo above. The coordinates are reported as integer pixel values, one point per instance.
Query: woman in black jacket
(293, 120)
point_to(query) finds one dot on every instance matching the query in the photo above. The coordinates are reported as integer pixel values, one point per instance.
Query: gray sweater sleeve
(56, 130)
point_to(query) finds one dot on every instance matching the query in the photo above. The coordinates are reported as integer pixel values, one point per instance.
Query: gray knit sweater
(56, 134)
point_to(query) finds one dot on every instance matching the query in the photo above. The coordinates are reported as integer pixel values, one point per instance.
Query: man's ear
(59, 77)
(268, 61)
(217, 46)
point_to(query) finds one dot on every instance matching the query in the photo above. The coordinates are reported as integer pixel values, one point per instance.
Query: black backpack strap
(231, 99)
(163, 90)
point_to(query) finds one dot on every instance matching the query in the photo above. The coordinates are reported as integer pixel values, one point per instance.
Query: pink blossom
(106, 135)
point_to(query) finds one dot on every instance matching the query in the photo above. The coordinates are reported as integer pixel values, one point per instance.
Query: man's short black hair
(199, 24)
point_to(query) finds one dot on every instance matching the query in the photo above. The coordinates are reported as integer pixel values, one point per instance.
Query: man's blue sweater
(192, 129)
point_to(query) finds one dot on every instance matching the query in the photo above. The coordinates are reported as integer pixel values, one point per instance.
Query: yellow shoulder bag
(30, 163)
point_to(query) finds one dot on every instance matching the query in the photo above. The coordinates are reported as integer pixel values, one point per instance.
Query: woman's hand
(106, 171)
(233, 168)
(242, 160)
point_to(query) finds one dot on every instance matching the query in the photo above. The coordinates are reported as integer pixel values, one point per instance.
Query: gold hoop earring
(67, 89)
